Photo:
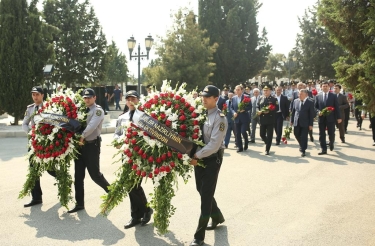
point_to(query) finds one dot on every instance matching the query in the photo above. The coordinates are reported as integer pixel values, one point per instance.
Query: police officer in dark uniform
(37, 95)
(267, 120)
(140, 213)
(90, 152)
(211, 154)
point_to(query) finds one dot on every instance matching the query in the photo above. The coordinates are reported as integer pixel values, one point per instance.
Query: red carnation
(151, 159)
(130, 161)
(150, 175)
(172, 164)
(176, 106)
(129, 135)
(143, 174)
(194, 115)
(164, 157)
(57, 143)
(156, 171)
(144, 156)
(191, 109)
(171, 95)
(168, 123)
(158, 160)
(162, 115)
(136, 148)
(138, 172)
(130, 154)
(182, 134)
(187, 105)
(196, 122)
(148, 105)
(135, 133)
(169, 154)
(195, 136)
(134, 141)
(162, 169)
(177, 97)
(167, 169)
(162, 102)
(179, 155)
(169, 103)
(183, 127)
(182, 118)
(134, 167)
(182, 100)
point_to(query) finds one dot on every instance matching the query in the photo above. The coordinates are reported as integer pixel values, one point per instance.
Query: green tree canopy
(80, 46)
(185, 53)
(117, 69)
(24, 50)
(274, 67)
(242, 51)
(316, 52)
(351, 24)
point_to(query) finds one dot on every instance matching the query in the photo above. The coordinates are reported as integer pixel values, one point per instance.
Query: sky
(121, 19)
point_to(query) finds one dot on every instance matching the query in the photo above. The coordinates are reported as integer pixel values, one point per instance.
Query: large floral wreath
(146, 157)
(52, 147)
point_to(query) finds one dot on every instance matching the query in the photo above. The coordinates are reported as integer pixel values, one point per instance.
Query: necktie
(301, 104)
(36, 109)
(87, 110)
(325, 98)
(131, 115)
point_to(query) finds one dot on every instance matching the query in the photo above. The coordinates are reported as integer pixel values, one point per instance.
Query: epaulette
(98, 106)
(222, 115)
(31, 105)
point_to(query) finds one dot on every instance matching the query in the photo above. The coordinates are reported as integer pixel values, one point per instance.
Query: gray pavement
(281, 199)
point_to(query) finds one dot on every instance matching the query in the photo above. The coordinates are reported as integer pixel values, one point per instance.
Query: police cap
(37, 89)
(132, 93)
(210, 91)
(88, 93)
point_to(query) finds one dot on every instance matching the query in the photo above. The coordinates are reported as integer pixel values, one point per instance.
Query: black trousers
(206, 179)
(138, 202)
(372, 120)
(358, 116)
(301, 135)
(241, 128)
(36, 192)
(266, 134)
(346, 121)
(279, 126)
(323, 124)
(89, 158)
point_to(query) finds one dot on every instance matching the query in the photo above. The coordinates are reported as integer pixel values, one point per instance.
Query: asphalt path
(281, 199)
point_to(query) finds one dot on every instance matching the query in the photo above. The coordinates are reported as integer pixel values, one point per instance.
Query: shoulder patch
(31, 105)
(98, 112)
(222, 126)
(26, 113)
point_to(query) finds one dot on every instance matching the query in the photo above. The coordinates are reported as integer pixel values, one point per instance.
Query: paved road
(281, 199)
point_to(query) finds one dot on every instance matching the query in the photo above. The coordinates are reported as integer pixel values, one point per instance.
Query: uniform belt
(220, 154)
(94, 141)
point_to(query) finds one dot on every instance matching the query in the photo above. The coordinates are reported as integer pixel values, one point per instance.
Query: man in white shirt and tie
(254, 122)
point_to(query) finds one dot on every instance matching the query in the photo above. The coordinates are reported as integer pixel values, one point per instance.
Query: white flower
(174, 125)
(55, 129)
(168, 112)
(162, 109)
(173, 117)
(152, 143)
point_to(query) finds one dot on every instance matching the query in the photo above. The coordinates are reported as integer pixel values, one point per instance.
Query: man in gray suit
(343, 104)
(302, 119)
(254, 122)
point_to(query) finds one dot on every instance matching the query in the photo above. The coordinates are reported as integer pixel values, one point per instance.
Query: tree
(242, 51)
(80, 46)
(274, 67)
(351, 25)
(117, 69)
(24, 50)
(185, 53)
(316, 52)
(154, 73)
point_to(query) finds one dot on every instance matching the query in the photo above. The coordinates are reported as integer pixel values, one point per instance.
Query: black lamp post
(47, 71)
(131, 44)
(289, 60)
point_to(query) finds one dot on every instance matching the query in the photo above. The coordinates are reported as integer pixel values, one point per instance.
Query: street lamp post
(131, 44)
(289, 60)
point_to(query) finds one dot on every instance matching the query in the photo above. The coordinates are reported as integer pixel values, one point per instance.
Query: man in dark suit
(282, 113)
(221, 102)
(302, 119)
(241, 118)
(254, 120)
(322, 101)
(267, 119)
(343, 104)
(231, 125)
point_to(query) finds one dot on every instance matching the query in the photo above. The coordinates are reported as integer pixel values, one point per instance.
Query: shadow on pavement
(144, 235)
(68, 228)
(221, 236)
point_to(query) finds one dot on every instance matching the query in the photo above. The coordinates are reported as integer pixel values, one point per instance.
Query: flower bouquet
(171, 115)
(225, 109)
(53, 141)
(327, 111)
(242, 105)
(286, 136)
(266, 109)
(314, 92)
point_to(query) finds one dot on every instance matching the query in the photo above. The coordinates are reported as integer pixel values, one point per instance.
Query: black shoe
(346, 131)
(331, 147)
(214, 224)
(147, 217)
(360, 128)
(76, 209)
(312, 139)
(267, 153)
(133, 222)
(245, 147)
(322, 153)
(343, 140)
(226, 146)
(32, 203)
(370, 126)
(252, 141)
(197, 242)
(239, 150)
(300, 150)
(303, 154)
(277, 143)
(373, 144)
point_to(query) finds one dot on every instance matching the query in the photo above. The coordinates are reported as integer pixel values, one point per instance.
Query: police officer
(211, 154)
(267, 120)
(140, 213)
(37, 95)
(90, 150)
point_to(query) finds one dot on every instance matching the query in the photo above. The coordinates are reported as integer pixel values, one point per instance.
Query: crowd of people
(297, 105)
